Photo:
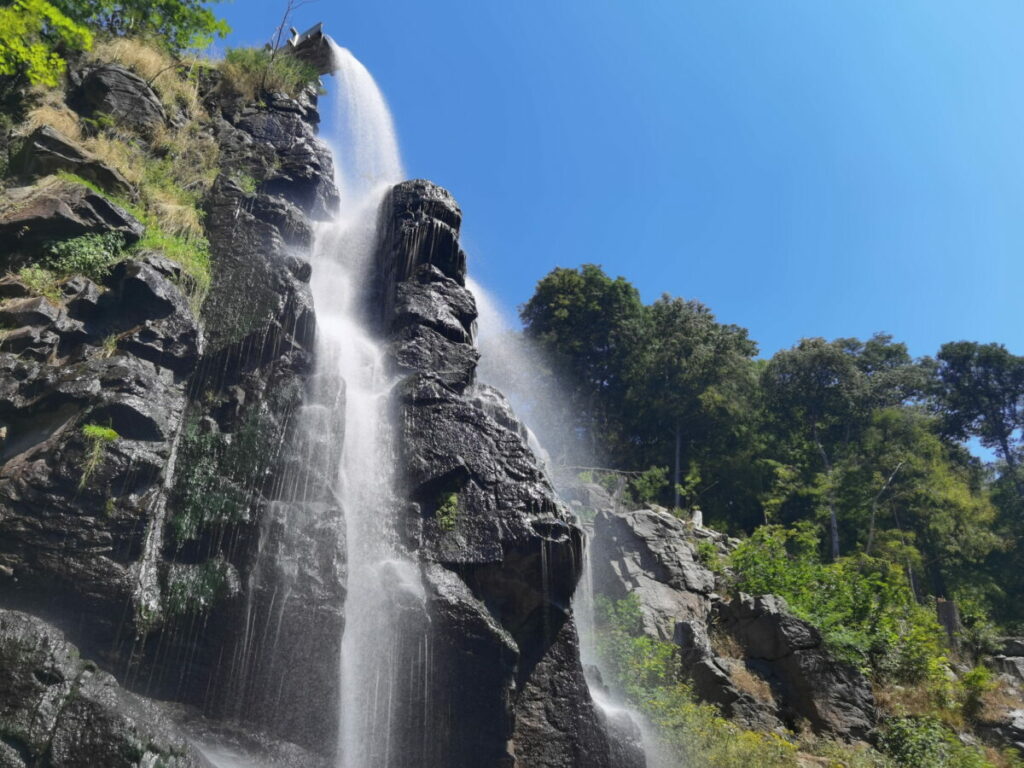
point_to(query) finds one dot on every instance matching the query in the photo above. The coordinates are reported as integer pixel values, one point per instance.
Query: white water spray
(511, 364)
(350, 361)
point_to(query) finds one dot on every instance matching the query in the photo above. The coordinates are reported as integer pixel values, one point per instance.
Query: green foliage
(41, 282)
(251, 72)
(97, 438)
(707, 555)
(34, 37)
(975, 684)
(246, 183)
(196, 589)
(90, 255)
(863, 606)
(176, 24)
(217, 475)
(916, 742)
(447, 513)
(648, 486)
(645, 672)
(190, 252)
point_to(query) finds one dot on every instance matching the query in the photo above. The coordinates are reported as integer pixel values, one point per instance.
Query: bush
(251, 72)
(89, 255)
(648, 485)
(915, 742)
(176, 24)
(644, 671)
(863, 606)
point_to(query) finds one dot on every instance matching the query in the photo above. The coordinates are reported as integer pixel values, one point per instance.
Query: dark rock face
(47, 151)
(112, 91)
(759, 664)
(153, 550)
(58, 210)
(81, 521)
(238, 484)
(58, 711)
(501, 557)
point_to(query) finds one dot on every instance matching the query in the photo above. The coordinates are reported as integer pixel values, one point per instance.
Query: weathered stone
(59, 710)
(56, 210)
(500, 619)
(47, 151)
(112, 91)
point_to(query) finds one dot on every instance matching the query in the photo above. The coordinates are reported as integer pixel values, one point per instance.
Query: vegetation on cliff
(845, 463)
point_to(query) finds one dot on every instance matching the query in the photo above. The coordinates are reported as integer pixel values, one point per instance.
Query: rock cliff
(149, 471)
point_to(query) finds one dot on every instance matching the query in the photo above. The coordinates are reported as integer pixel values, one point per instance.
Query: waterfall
(381, 580)
(511, 364)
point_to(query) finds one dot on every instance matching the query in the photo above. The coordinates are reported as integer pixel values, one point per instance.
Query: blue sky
(805, 168)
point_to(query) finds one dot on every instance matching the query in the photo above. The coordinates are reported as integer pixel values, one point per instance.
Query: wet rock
(114, 92)
(59, 710)
(47, 151)
(501, 554)
(56, 209)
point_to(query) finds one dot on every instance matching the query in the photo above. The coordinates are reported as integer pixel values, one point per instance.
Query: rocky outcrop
(81, 516)
(59, 711)
(55, 210)
(758, 663)
(500, 554)
(148, 538)
(111, 92)
(46, 151)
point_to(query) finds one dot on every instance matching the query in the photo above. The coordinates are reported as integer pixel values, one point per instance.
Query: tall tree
(683, 371)
(980, 392)
(580, 318)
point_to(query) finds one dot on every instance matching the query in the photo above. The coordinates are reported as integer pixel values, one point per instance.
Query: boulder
(59, 710)
(47, 151)
(115, 92)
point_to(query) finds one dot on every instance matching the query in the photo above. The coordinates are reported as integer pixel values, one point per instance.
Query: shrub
(41, 282)
(175, 24)
(648, 485)
(251, 72)
(915, 742)
(863, 606)
(90, 255)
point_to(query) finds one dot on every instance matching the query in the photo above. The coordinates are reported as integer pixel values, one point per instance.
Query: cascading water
(380, 576)
(510, 364)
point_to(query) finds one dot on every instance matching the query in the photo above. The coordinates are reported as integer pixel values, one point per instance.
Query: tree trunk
(675, 473)
(833, 518)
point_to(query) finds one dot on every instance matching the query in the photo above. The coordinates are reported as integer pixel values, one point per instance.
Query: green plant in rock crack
(447, 513)
(98, 438)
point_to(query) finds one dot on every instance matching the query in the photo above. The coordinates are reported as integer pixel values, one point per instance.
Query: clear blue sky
(803, 167)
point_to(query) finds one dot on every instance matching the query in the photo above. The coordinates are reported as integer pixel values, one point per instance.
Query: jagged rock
(650, 554)
(807, 681)
(59, 711)
(502, 566)
(759, 664)
(47, 151)
(55, 210)
(111, 90)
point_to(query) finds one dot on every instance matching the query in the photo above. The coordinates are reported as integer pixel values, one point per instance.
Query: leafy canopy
(34, 36)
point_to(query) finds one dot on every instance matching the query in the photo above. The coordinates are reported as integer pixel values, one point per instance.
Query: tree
(34, 38)
(980, 393)
(681, 372)
(579, 318)
(817, 387)
(178, 24)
